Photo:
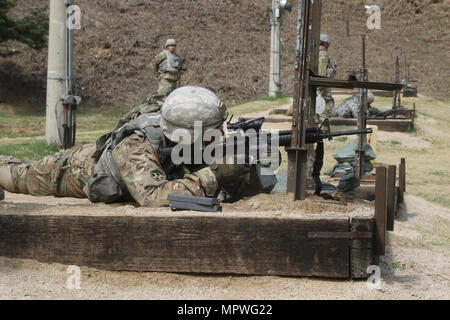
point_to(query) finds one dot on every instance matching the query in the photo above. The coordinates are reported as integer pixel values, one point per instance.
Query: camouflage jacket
(326, 68)
(128, 168)
(159, 65)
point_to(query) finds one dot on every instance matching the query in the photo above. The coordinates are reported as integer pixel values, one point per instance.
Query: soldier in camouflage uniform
(124, 166)
(326, 69)
(350, 107)
(167, 67)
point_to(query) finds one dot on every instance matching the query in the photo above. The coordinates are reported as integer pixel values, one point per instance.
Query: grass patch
(398, 265)
(31, 150)
(439, 173)
(259, 105)
(436, 235)
(277, 97)
(341, 139)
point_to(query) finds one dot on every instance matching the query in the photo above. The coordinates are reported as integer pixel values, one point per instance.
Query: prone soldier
(124, 165)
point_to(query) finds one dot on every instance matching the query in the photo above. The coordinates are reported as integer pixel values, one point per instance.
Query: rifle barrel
(350, 132)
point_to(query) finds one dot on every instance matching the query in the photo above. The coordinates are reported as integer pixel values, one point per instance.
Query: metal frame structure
(305, 86)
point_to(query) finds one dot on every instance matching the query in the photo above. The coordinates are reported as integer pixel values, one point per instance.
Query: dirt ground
(227, 47)
(416, 266)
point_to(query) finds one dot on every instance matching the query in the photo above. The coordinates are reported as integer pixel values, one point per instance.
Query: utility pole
(56, 84)
(276, 18)
(61, 92)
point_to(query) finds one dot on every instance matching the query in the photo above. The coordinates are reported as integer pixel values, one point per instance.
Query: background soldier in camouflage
(124, 164)
(168, 68)
(326, 69)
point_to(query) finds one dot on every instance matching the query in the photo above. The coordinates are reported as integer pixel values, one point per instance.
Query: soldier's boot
(7, 165)
(6, 181)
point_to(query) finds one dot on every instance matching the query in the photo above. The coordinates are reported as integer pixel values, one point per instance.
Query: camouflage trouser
(63, 174)
(166, 86)
(328, 97)
(146, 180)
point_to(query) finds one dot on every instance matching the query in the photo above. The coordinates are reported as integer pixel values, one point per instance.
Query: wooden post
(402, 180)
(361, 250)
(380, 212)
(391, 197)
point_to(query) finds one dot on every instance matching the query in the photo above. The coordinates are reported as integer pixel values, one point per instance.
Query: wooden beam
(180, 242)
(392, 125)
(351, 84)
(391, 178)
(380, 212)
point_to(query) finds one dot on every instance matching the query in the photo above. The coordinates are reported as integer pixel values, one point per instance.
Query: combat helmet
(170, 42)
(324, 38)
(188, 104)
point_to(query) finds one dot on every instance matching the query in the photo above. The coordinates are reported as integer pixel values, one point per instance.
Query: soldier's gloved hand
(232, 177)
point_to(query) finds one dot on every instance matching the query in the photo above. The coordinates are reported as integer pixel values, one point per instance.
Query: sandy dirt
(272, 205)
(416, 266)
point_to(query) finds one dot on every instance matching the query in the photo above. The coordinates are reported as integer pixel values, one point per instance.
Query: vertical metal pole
(397, 98)
(297, 165)
(70, 108)
(362, 120)
(275, 50)
(294, 169)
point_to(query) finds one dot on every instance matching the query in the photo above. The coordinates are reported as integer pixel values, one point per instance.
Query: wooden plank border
(181, 242)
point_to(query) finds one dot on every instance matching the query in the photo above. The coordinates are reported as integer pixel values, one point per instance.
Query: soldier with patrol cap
(167, 68)
(326, 69)
(125, 164)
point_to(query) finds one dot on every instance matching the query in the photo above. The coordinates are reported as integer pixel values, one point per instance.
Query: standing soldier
(326, 69)
(167, 67)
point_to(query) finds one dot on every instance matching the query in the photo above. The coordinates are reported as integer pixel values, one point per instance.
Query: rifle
(181, 68)
(313, 135)
(265, 182)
